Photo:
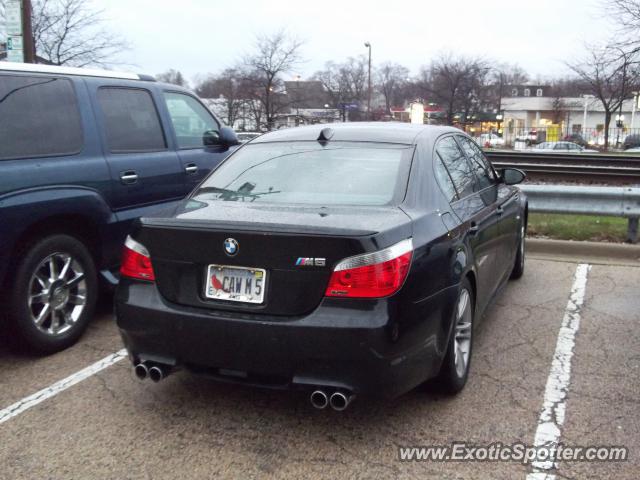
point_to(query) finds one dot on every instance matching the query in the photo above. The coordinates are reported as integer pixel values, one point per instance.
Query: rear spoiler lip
(274, 228)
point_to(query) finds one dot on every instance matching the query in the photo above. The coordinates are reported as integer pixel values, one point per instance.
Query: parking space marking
(52, 390)
(555, 394)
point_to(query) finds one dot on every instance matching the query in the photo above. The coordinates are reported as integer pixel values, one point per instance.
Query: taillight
(372, 275)
(136, 262)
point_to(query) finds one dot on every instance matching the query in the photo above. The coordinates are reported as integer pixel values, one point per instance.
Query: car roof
(381, 132)
(60, 70)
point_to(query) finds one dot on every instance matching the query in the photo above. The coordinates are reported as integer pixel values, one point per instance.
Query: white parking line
(33, 400)
(553, 410)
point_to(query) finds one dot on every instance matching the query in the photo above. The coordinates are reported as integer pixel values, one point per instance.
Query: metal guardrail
(582, 167)
(566, 158)
(584, 200)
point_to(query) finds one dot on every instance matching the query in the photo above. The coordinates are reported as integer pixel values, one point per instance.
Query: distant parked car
(245, 137)
(529, 137)
(576, 138)
(631, 141)
(489, 140)
(561, 147)
(83, 153)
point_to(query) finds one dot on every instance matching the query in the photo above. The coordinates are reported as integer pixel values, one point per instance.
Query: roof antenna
(325, 134)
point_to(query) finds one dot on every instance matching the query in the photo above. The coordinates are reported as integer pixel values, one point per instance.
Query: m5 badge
(310, 262)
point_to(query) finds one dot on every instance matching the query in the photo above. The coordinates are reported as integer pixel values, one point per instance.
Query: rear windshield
(338, 173)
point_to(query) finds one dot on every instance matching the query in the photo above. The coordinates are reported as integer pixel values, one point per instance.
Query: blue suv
(83, 153)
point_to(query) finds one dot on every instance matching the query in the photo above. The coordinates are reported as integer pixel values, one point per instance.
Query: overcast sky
(200, 36)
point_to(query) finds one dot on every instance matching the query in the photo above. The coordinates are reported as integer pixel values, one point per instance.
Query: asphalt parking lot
(111, 425)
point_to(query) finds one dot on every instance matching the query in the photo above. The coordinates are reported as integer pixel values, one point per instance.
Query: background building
(552, 118)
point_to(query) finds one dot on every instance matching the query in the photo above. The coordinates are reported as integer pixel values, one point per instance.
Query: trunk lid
(270, 237)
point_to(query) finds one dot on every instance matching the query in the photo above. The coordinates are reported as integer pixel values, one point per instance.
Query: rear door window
(131, 120)
(485, 176)
(39, 117)
(444, 180)
(457, 165)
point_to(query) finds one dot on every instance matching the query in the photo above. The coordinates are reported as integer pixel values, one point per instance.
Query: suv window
(483, 171)
(190, 119)
(39, 116)
(457, 166)
(131, 120)
(444, 180)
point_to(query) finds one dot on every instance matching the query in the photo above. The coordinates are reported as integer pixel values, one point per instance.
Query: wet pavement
(113, 426)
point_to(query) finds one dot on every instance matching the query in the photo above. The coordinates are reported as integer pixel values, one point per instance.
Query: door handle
(500, 210)
(191, 169)
(473, 229)
(129, 177)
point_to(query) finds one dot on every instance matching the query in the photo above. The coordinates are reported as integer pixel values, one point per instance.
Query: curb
(593, 252)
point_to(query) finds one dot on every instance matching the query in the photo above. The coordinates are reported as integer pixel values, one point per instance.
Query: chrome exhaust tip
(157, 373)
(141, 371)
(319, 399)
(339, 401)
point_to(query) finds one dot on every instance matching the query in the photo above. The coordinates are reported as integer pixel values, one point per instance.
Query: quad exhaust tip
(339, 401)
(141, 371)
(319, 399)
(156, 373)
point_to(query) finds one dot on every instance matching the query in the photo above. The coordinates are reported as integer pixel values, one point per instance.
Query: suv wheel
(54, 294)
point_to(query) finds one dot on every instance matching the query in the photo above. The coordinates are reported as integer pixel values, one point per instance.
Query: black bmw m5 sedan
(346, 260)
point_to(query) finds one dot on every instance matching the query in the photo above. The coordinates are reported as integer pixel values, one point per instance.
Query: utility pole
(27, 33)
(368, 45)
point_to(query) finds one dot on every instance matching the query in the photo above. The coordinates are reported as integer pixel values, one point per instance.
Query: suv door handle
(191, 169)
(129, 177)
(500, 210)
(473, 229)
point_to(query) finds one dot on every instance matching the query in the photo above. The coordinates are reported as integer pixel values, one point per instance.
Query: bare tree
(274, 55)
(559, 109)
(611, 75)
(230, 85)
(3, 38)
(457, 84)
(174, 77)
(346, 82)
(390, 80)
(504, 76)
(69, 32)
(626, 13)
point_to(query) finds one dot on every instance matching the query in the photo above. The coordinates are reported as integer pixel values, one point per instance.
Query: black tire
(450, 380)
(71, 298)
(518, 265)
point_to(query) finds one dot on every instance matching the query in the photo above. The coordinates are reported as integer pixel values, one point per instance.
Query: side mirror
(210, 138)
(228, 137)
(512, 176)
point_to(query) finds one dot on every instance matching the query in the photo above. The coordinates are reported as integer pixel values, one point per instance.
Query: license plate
(236, 284)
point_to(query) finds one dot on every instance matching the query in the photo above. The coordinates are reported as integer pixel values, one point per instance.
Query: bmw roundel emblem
(231, 246)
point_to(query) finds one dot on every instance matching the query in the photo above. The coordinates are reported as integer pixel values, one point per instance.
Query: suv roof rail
(61, 70)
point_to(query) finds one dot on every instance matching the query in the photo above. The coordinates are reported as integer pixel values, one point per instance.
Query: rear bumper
(341, 344)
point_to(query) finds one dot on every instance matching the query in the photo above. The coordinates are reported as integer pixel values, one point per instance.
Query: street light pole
(27, 33)
(633, 110)
(584, 120)
(368, 45)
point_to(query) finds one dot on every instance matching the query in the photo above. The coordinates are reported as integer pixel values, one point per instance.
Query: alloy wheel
(462, 338)
(522, 238)
(57, 293)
